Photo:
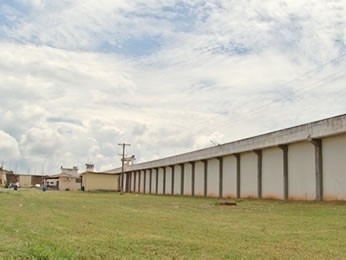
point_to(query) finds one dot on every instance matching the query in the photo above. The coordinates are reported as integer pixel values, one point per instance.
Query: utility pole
(122, 166)
(2, 164)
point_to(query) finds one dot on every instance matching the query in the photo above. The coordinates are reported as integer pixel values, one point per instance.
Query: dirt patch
(227, 203)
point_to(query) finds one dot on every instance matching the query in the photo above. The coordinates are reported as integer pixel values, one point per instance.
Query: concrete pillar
(150, 179)
(132, 175)
(125, 182)
(237, 156)
(129, 175)
(134, 181)
(259, 173)
(318, 168)
(145, 181)
(157, 181)
(164, 181)
(128, 182)
(284, 149)
(172, 191)
(205, 162)
(182, 178)
(193, 164)
(139, 181)
(220, 159)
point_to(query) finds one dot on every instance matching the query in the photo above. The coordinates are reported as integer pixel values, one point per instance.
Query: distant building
(24, 180)
(99, 181)
(73, 170)
(67, 179)
(3, 176)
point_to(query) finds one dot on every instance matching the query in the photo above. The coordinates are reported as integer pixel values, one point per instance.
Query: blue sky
(79, 77)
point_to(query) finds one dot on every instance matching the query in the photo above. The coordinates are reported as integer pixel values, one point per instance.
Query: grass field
(68, 225)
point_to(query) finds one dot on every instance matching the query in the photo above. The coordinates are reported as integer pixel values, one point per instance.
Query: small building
(3, 178)
(68, 179)
(99, 181)
(11, 178)
(27, 181)
(24, 181)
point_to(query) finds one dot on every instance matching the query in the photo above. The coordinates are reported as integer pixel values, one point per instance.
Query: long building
(306, 162)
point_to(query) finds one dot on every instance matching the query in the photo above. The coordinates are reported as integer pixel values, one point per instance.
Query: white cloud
(9, 149)
(78, 77)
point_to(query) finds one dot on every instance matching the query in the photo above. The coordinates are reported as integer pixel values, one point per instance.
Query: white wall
(160, 182)
(123, 180)
(229, 177)
(272, 173)
(153, 181)
(147, 181)
(168, 180)
(318, 129)
(199, 179)
(248, 175)
(142, 181)
(301, 171)
(213, 178)
(132, 185)
(334, 168)
(100, 182)
(187, 179)
(177, 180)
(137, 181)
(301, 163)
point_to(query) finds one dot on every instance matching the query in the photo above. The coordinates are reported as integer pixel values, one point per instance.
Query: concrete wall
(25, 181)
(319, 129)
(147, 182)
(306, 162)
(301, 171)
(177, 180)
(272, 173)
(141, 184)
(100, 182)
(160, 181)
(213, 178)
(135, 181)
(153, 181)
(187, 179)
(229, 177)
(334, 168)
(66, 183)
(199, 178)
(168, 181)
(248, 175)
(132, 180)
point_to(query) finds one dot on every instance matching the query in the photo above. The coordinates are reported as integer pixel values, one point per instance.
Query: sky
(78, 77)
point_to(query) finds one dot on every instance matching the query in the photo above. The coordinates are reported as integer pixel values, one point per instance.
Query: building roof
(99, 173)
(314, 130)
(63, 174)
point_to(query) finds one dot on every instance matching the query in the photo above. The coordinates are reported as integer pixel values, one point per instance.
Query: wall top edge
(314, 130)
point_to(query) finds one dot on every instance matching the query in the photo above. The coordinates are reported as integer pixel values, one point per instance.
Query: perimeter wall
(306, 162)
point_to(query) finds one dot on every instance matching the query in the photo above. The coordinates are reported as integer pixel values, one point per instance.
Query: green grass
(36, 224)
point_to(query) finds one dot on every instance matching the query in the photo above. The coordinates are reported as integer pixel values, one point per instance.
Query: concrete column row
(137, 181)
